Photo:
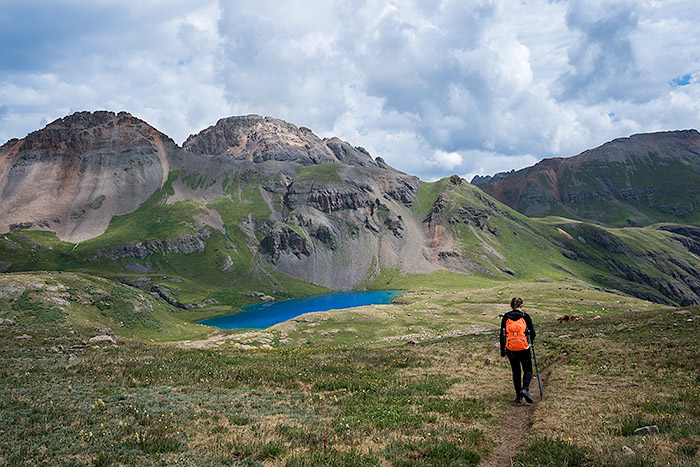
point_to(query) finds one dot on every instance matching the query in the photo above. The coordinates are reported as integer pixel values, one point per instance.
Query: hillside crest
(639, 180)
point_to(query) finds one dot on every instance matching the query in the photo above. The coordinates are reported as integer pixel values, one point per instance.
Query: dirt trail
(516, 425)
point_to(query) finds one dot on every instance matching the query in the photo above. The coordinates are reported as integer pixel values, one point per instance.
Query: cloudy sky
(436, 88)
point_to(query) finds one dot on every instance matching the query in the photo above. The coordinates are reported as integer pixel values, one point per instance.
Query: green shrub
(270, 450)
(627, 425)
(333, 458)
(430, 452)
(38, 311)
(547, 451)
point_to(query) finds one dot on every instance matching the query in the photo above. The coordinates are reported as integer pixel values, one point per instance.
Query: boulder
(102, 339)
(567, 318)
(6, 322)
(225, 263)
(647, 430)
(164, 293)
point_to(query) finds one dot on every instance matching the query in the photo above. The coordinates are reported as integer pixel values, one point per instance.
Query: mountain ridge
(276, 209)
(636, 180)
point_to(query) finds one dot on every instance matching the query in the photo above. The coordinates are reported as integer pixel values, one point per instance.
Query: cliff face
(74, 175)
(333, 215)
(638, 180)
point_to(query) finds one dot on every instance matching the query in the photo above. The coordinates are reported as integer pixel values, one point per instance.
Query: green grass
(62, 299)
(321, 173)
(153, 220)
(137, 404)
(544, 451)
(432, 452)
(437, 403)
(427, 195)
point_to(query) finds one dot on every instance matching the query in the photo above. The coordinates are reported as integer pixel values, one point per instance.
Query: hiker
(516, 327)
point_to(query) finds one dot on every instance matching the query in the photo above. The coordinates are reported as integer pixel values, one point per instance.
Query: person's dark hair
(516, 303)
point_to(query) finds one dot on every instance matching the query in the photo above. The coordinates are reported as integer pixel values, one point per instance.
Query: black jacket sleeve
(503, 335)
(530, 327)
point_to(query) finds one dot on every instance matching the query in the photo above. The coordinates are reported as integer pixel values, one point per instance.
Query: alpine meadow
(116, 241)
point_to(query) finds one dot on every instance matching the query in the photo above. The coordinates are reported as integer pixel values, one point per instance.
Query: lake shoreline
(263, 315)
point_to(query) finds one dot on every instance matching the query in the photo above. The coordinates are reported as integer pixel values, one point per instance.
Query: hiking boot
(524, 392)
(519, 400)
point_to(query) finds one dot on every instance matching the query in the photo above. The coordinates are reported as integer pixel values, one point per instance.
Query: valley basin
(264, 315)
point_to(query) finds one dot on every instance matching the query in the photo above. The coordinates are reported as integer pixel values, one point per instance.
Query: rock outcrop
(180, 243)
(260, 139)
(284, 238)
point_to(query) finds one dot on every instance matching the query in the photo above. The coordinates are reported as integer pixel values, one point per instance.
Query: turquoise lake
(264, 315)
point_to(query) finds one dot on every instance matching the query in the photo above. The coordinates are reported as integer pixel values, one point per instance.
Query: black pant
(517, 358)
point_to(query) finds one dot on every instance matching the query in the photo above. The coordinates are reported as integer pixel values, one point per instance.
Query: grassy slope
(532, 248)
(528, 247)
(88, 302)
(359, 403)
(193, 277)
(332, 376)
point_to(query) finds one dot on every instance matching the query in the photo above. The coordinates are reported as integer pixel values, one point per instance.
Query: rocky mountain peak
(89, 131)
(79, 171)
(260, 139)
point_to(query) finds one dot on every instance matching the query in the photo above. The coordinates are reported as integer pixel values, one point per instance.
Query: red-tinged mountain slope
(79, 171)
(640, 180)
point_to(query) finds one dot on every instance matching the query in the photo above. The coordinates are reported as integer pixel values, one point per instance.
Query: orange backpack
(515, 334)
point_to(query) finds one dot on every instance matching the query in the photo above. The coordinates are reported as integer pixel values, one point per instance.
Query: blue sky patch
(682, 81)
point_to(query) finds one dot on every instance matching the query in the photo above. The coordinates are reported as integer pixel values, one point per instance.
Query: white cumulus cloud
(435, 88)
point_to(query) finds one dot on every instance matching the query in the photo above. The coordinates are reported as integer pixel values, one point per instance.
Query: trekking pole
(536, 369)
